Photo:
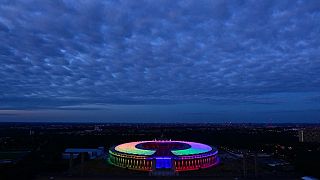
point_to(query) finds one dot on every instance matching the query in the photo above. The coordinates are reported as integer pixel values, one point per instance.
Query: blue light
(163, 162)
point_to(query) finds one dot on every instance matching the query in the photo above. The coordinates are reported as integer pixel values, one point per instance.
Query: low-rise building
(75, 152)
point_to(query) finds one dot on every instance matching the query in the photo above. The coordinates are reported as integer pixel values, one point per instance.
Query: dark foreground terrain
(246, 151)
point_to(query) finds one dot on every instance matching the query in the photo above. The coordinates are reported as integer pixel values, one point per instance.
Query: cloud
(156, 52)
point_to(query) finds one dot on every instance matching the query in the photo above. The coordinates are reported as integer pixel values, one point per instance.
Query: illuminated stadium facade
(153, 155)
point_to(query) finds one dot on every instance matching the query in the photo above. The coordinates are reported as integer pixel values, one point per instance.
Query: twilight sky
(160, 61)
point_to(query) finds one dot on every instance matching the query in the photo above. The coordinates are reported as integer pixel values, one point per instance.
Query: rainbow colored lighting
(153, 155)
(130, 148)
(196, 148)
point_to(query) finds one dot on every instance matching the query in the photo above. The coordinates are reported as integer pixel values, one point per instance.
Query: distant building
(309, 135)
(97, 128)
(74, 152)
(301, 138)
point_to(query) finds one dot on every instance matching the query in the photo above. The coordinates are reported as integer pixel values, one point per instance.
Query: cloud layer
(71, 52)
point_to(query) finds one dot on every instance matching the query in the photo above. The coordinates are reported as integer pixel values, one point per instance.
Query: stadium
(155, 155)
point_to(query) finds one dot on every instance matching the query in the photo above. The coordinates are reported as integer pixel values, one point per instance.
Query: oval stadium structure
(174, 155)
